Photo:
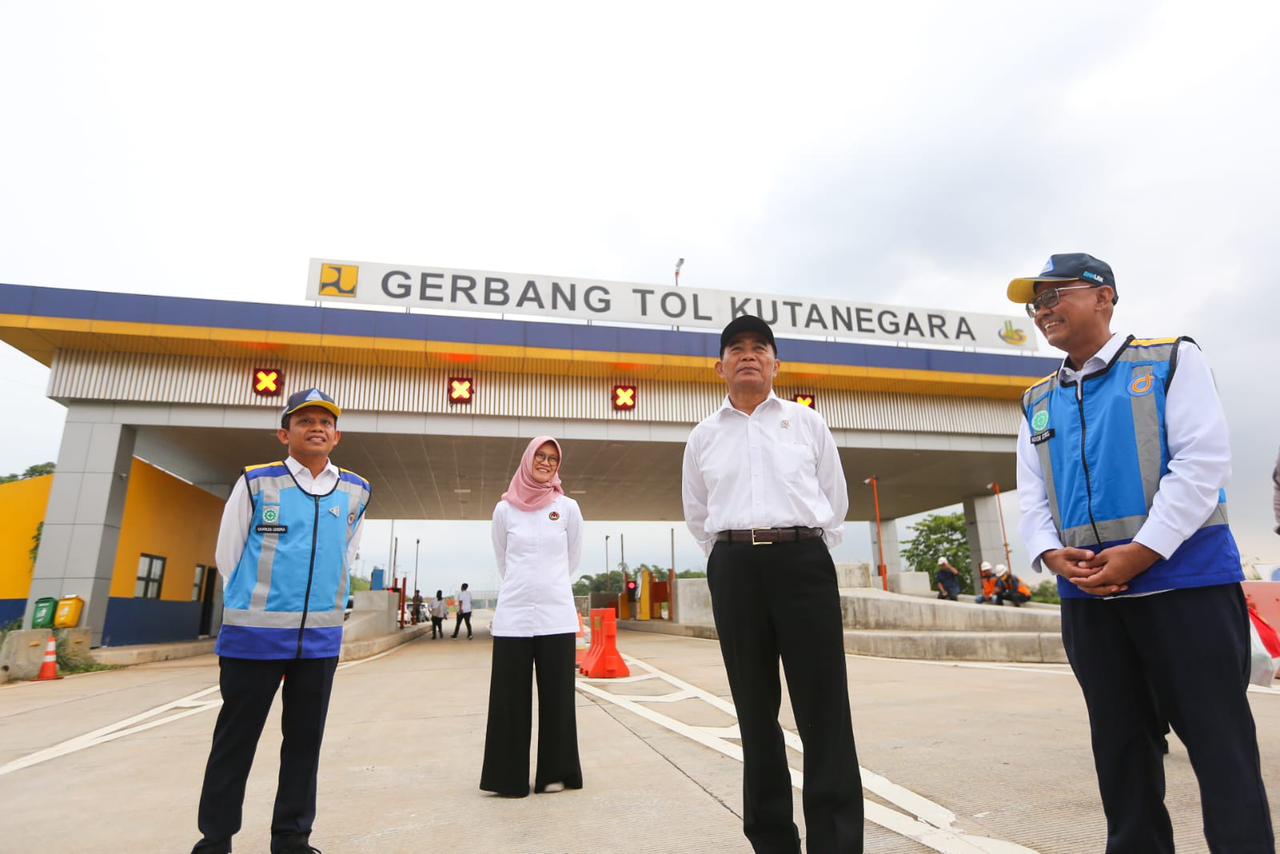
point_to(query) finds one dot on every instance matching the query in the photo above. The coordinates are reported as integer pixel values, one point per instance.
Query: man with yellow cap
(1123, 454)
(289, 533)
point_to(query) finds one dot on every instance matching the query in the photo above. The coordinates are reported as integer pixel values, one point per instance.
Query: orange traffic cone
(49, 669)
(604, 661)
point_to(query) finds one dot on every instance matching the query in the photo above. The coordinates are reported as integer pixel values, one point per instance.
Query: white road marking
(183, 707)
(929, 823)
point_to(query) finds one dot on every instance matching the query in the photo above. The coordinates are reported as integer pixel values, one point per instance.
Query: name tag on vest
(272, 529)
(1042, 436)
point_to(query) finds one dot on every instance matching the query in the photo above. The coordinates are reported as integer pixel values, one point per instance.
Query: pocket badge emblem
(553, 516)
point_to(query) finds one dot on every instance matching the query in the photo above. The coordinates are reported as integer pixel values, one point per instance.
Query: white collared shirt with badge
(238, 515)
(775, 468)
(537, 553)
(1199, 459)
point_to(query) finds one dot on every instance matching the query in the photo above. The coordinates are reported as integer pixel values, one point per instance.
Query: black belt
(769, 536)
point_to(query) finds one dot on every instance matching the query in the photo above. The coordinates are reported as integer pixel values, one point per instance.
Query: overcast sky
(912, 153)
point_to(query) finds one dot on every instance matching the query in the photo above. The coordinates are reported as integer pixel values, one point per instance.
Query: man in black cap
(289, 533)
(765, 496)
(1123, 454)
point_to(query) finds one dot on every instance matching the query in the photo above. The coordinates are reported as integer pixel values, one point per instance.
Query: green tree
(940, 535)
(38, 470)
(35, 544)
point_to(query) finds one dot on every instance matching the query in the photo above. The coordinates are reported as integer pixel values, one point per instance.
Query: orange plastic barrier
(580, 643)
(603, 660)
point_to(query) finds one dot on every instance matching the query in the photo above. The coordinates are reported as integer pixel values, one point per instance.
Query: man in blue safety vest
(289, 533)
(1123, 454)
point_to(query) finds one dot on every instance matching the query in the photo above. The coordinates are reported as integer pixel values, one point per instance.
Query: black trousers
(781, 601)
(437, 627)
(248, 688)
(1184, 656)
(457, 625)
(506, 738)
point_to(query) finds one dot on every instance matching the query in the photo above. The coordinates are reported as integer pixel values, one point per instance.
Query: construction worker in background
(948, 581)
(1009, 588)
(988, 578)
(289, 534)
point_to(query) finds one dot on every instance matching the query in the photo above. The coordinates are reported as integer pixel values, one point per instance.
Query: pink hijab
(525, 493)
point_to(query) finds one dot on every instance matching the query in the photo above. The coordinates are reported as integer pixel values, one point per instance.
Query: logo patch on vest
(1042, 436)
(270, 515)
(272, 529)
(351, 518)
(1143, 381)
(1040, 420)
(334, 512)
(553, 516)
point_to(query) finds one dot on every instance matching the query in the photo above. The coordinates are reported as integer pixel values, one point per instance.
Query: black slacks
(1181, 655)
(248, 688)
(777, 601)
(457, 625)
(506, 738)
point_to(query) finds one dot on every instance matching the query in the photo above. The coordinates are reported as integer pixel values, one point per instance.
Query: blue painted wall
(11, 609)
(149, 621)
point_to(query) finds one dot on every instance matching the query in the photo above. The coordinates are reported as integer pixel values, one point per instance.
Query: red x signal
(805, 400)
(624, 397)
(267, 382)
(461, 390)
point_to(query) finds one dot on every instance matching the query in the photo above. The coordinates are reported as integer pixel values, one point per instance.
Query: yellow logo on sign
(338, 281)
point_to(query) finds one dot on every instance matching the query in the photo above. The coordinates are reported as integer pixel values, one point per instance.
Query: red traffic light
(461, 390)
(624, 398)
(267, 382)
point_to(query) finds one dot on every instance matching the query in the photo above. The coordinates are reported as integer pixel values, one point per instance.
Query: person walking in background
(537, 541)
(764, 495)
(464, 611)
(948, 581)
(289, 534)
(1123, 454)
(439, 610)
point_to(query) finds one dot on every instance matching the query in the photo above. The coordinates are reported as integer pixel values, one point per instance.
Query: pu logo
(1012, 335)
(267, 382)
(338, 280)
(624, 397)
(1142, 382)
(461, 390)
(806, 400)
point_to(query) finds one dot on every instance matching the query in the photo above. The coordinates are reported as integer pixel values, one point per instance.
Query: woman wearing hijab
(537, 538)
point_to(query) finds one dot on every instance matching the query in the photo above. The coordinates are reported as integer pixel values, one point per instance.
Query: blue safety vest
(287, 595)
(1103, 450)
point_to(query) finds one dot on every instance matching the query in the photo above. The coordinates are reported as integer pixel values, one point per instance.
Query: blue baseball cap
(1067, 267)
(310, 397)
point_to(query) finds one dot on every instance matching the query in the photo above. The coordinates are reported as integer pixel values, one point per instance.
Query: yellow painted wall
(22, 506)
(166, 517)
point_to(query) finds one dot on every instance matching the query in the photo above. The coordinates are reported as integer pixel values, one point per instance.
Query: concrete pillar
(982, 524)
(892, 551)
(82, 523)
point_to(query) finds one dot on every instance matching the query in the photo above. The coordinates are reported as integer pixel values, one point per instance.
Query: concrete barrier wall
(693, 602)
(864, 611)
(373, 615)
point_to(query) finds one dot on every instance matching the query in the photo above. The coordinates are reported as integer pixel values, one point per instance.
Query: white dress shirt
(238, 515)
(1199, 465)
(537, 553)
(439, 609)
(775, 468)
(464, 601)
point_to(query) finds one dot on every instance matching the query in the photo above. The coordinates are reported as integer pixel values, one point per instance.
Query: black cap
(747, 323)
(310, 397)
(1068, 267)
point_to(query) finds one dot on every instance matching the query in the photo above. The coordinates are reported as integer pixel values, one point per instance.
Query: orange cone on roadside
(49, 669)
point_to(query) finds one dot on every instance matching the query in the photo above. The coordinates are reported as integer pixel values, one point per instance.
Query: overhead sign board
(359, 282)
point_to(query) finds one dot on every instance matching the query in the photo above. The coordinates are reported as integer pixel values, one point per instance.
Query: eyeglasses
(544, 458)
(1050, 297)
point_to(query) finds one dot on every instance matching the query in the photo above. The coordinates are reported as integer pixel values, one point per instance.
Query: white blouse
(537, 553)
